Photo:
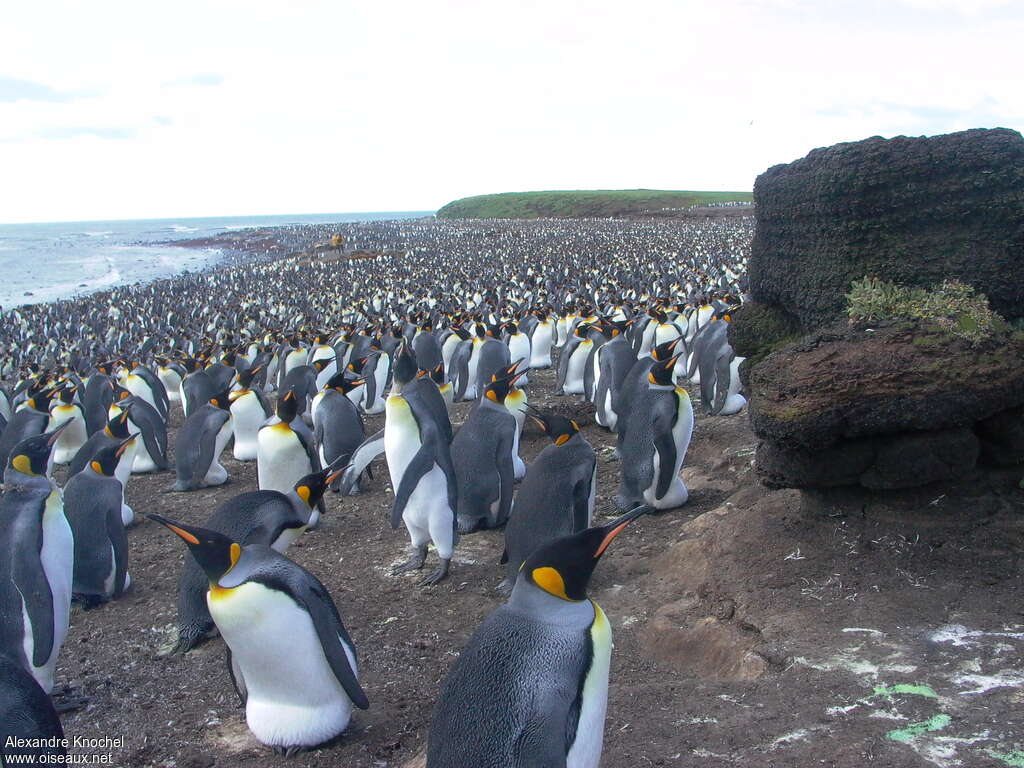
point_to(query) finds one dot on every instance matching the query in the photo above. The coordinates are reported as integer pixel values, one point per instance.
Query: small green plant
(953, 306)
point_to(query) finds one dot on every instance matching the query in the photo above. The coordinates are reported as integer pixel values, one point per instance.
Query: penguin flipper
(417, 468)
(30, 580)
(368, 450)
(331, 632)
(264, 403)
(207, 446)
(665, 445)
(581, 500)
(235, 673)
(117, 535)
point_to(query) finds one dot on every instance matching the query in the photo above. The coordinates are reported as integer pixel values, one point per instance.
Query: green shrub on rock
(952, 305)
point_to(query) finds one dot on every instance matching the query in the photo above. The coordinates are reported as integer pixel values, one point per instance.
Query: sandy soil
(752, 627)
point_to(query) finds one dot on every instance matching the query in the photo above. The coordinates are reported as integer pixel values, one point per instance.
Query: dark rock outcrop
(914, 211)
(893, 407)
(904, 403)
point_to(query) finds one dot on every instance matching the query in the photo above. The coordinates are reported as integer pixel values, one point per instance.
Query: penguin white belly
(216, 474)
(182, 399)
(58, 556)
(682, 431)
(172, 383)
(314, 404)
(281, 459)
(247, 416)
(734, 401)
(540, 348)
(586, 748)
(427, 515)
(142, 462)
(471, 368)
(647, 339)
(124, 467)
(561, 331)
(574, 384)
(72, 438)
(294, 699)
(380, 380)
(448, 349)
(138, 387)
(519, 349)
(610, 416)
(287, 538)
(515, 403)
(295, 358)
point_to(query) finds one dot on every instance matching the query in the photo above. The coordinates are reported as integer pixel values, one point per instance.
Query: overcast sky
(134, 109)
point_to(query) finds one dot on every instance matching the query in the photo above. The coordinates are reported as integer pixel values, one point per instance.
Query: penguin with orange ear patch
(556, 498)
(92, 502)
(292, 663)
(201, 441)
(258, 517)
(482, 455)
(531, 687)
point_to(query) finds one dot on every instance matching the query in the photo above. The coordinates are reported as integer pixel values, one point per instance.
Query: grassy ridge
(581, 203)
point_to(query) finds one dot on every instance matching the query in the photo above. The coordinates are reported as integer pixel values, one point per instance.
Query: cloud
(12, 89)
(202, 80)
(62, 132)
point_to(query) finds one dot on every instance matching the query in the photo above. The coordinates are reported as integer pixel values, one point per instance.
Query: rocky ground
(752, 627)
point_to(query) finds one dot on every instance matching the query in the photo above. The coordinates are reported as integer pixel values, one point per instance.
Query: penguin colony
(283, 360)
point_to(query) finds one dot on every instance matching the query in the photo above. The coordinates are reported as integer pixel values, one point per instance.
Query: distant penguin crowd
(280, 362)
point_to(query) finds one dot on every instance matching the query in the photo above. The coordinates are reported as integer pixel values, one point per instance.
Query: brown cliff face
(914, 211)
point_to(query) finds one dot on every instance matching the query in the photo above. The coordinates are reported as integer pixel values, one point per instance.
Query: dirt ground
(752, 627)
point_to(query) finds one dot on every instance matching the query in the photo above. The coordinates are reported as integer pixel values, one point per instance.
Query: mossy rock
(758, 329)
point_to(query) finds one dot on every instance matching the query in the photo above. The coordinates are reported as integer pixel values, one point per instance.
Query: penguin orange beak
(336, 474)
(56, 433)
(124, 444)
(616, 527)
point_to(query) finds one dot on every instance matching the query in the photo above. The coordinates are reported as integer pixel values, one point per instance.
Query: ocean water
(46, 262)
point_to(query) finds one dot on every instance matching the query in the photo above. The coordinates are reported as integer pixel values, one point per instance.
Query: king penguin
(557, 495)
(531, 687)
(482, 455)
(420, 464)
(270, 518)
(26, 712)
(201, 441)
(74, 437)
(249, 411)
(37, 555)
(293, 665)
(92, 503)
(285, 449)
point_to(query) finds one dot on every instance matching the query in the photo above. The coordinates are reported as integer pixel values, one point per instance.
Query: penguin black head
(322, 363)
(342, 383)
(245, 377)
(118, 426)
(581, 330)
(664, 351)
(509, 371)
(287, 407)
(563, 567)
(41, 400)
(215, 552)
(661, 372)
(32, 455)
(405, 366)
(107, 459)
(311, 488)
(67, 394)
(438, 374)
(499, 388)
(558, 428)
(222, 400)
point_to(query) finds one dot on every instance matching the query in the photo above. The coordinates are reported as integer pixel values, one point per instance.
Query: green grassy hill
(581, 203)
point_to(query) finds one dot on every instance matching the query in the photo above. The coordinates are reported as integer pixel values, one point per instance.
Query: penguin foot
(287, 752)
(88, 602)
(437, 576)
(414, 563)
(64, 701)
